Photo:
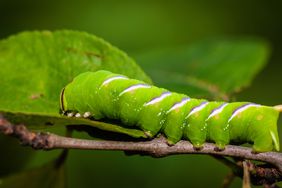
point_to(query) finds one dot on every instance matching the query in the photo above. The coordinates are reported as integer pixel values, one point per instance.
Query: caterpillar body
(154, 110)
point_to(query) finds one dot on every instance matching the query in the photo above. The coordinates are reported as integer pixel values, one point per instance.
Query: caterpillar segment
(154, 110)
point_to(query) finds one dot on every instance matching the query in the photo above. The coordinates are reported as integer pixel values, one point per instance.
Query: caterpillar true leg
(78, 115)
(70, 114)
(87, 114)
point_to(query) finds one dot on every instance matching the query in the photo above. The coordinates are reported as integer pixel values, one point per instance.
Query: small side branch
(246, 176)
(156, 148)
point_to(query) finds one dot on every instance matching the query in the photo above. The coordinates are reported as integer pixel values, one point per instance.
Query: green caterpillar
(103, 94)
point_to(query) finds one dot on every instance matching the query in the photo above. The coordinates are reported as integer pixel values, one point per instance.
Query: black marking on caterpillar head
(62, 101)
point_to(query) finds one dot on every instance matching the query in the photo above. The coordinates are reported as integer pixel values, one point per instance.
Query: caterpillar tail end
(278, 108)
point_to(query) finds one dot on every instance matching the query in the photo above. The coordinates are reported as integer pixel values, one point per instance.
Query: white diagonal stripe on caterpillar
(158, 99)
(241, 109)
(198, 108)
(134, 87)
(217, 110)
(109, 80)
(179, 104)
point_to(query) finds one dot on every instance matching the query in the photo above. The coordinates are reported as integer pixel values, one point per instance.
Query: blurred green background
(137, 27)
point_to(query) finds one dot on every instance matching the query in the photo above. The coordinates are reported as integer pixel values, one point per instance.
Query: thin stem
(246, 176)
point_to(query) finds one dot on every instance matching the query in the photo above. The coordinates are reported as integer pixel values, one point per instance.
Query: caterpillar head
(79, 97)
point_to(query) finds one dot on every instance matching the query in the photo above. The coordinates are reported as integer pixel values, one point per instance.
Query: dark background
(138, 26)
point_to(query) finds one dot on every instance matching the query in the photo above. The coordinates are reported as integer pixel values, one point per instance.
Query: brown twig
(26, 137)
(156, 148)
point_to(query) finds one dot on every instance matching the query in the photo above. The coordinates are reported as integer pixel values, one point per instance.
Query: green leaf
(210, 68)
(49, 175)
(35, 66)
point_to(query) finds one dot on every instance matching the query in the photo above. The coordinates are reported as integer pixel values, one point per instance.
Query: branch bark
(156, 148)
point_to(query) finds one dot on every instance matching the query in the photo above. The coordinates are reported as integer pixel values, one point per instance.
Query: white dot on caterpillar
(162, 122)
(86, 114)
(77, 115)
(226, 128)
(204, 128)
